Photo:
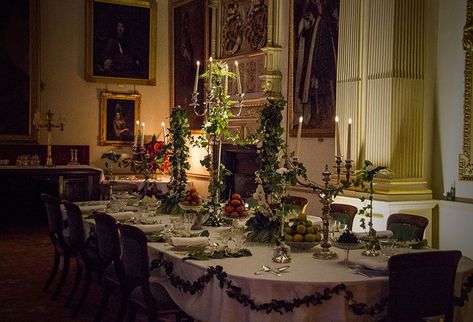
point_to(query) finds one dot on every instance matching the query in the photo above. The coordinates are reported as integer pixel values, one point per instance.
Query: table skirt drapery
(305, 277)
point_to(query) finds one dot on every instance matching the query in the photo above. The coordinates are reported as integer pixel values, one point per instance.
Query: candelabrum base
(324, 253)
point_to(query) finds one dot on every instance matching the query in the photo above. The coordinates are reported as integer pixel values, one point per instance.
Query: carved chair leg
(65, 271)
(54, 270)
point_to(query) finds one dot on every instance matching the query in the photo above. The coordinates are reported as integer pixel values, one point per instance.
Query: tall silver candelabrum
(326, 193)
(215, 100)
(49, 126)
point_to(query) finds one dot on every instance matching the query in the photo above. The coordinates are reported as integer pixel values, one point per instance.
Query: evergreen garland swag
(179, 164)
(275, 305)
(282, 306)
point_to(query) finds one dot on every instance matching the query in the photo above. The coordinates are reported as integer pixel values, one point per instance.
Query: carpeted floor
(25, 262)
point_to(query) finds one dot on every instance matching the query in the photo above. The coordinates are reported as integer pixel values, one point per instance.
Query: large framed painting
(189, 34)
(118, 116)
(19, 70)
(466, 158)
(313, 46)
(121, 41)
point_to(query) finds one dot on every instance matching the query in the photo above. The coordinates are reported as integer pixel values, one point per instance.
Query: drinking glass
(388, 247)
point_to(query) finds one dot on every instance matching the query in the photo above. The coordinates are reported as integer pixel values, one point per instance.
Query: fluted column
(381, 86)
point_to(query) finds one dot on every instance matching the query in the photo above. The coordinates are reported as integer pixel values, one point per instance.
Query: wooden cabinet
(21, 188)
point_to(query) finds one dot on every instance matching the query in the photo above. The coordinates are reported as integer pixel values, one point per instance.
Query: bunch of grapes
(347, 238)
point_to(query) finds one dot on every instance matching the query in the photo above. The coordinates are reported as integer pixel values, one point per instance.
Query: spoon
(266, 269)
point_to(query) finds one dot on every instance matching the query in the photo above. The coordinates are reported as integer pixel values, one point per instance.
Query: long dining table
(216, 301)
(227, 289)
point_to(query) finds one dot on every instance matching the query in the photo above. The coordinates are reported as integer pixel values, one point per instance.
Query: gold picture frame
(20, 65)
(118, 116)
(465, 160)
(317, 104)
(121, 41)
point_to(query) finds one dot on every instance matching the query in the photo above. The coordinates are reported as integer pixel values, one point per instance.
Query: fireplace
(241, 161)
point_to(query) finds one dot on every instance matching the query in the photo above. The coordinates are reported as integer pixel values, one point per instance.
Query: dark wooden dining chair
(407, 227)
(298, 204)
(62, 248)
(422, 285)
(113, 281)
(343, 213)
(151, 298)
(87, 258)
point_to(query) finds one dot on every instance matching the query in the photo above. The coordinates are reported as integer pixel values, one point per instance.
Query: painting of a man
(315, 60)
(121, 41)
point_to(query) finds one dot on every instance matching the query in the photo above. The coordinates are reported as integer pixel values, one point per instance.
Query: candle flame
(162, 124)
(198, 63)
(301, 119)
(349, 120)
(142, 123)
(236, 62)
(336, 119)
(210, 59)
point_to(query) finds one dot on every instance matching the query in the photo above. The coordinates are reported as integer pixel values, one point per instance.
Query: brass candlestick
(49, 126)
(326, 193)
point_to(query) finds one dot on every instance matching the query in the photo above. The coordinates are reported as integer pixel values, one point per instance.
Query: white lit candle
(238, 77)
(337, 137)
(137, 131)
(164, 132)
(142, 133)
(210, 73)
(196, 82)
(349, 140)
(298, 142)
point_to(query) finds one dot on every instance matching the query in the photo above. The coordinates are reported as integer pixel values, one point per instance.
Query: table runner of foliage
(282, 306)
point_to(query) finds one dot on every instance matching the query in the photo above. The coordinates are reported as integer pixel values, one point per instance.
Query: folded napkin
(90, 208)
(380, 234)
(189, 241)
(372, 264)
(151, 228)
(122, 215)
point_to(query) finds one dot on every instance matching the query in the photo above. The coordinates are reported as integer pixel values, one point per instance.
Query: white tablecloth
(306, 276)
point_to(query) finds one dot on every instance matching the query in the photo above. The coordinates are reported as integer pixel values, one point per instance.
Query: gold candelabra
(49, 126)
(326, 193)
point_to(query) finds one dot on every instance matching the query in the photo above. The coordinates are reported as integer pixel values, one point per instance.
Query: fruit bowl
(301, 246)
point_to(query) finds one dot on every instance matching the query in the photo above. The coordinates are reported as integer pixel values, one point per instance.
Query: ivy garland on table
(271, 179)
(279, 306)
(180, 135)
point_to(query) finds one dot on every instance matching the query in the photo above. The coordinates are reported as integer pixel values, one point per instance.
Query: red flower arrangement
(158, 152)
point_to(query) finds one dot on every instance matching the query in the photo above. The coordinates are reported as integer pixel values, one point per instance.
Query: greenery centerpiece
(272, 178)
(215, 131)
(364, 178)
(178, 160)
